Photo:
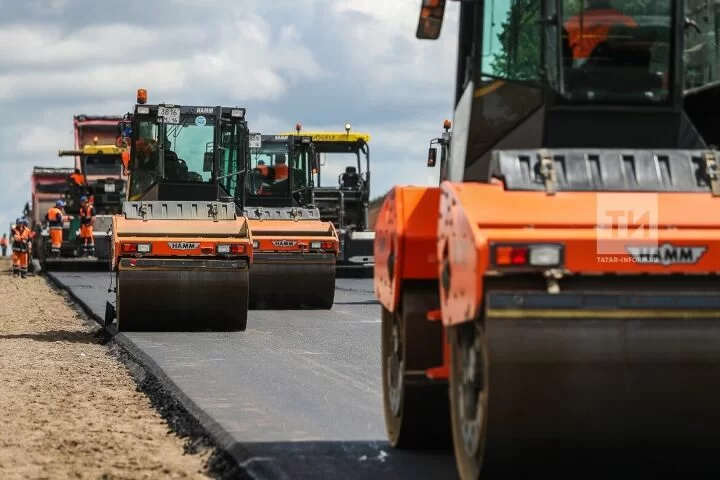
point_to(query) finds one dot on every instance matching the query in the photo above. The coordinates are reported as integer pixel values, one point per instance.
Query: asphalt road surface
(299, 391)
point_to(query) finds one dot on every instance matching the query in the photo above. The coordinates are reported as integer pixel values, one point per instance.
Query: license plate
(255, 140)
(109, 187)
(170, 115)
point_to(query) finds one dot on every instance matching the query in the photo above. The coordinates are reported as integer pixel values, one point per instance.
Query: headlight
(136, 247)
(545, 256)
(143, 110)
(232, 249)
(256, 244)
(316, 245)
(527, 255)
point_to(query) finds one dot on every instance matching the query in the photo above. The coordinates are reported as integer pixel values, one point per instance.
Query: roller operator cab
(181, 250)
(572, 301)
(341, 177)
(294, 251)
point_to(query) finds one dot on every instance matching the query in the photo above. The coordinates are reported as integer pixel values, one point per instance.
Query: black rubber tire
(469, 466)
(423, 418)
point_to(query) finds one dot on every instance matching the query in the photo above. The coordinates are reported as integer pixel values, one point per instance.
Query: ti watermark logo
(624, 219)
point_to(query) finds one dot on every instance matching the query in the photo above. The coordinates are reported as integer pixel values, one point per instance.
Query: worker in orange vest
(55, 218)
(20, 248)
(598, 18)
(4, 244)
(262, 168)
(281, 168)
(77, 178)
(87, 221)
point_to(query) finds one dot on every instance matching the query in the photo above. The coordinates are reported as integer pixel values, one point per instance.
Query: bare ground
(68, 409)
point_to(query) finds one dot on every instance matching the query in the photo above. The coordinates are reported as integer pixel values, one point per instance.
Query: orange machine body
(405, 241)
(474, 216)
(179, 238)
(289, 236)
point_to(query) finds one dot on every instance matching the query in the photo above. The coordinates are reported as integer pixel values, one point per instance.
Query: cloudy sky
(321, 62)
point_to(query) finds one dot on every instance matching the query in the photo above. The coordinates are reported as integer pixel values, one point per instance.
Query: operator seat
(350, 179)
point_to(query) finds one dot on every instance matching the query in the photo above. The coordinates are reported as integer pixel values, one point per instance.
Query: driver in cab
(281, 168)
(598, 18)
(149, 157)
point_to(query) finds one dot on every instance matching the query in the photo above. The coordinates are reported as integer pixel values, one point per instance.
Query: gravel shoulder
(68, 407)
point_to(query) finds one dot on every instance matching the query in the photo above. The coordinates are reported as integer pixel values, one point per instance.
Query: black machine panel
(605, 169)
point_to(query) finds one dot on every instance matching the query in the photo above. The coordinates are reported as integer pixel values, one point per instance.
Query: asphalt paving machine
(181, 251)
(294, 251)
(344, 200)
(47, 185)
(560, 288)
(105, 185)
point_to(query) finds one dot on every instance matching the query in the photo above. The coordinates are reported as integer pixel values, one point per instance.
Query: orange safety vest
(77, 178)
(281, 171)
(22, 235)
(596, 25)
(52, 217)
(86, 214)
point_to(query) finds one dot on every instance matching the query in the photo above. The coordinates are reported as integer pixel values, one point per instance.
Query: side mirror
(432, 157)
(208, 162)
(431, 19)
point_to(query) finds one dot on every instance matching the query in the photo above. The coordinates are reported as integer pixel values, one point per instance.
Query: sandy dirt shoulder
(68, 409)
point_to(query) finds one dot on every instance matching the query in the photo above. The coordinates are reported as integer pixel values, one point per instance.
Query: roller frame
(286, 273)
(405, 281)
(630, 418)
(593, 365)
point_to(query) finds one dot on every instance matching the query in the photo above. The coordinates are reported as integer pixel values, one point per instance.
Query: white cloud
(29, 45)
(245, 63)
(41, 139)
(320, 61)
(429, 65)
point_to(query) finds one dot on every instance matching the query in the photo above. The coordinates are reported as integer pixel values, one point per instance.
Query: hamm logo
(183, 245)
(284, 243)
(667, 254)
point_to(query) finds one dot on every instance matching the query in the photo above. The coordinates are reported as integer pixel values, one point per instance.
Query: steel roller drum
(596, 384)
(182, 295)
(280, 281)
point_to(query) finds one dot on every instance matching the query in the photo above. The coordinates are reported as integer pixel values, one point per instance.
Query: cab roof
(152, 108)
(339, 137)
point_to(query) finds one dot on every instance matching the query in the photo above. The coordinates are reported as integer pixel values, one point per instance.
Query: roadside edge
(183, 415)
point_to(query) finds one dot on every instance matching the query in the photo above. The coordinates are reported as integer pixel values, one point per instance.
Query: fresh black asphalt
(297, 395)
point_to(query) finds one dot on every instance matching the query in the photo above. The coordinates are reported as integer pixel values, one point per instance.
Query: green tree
(518, 57)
